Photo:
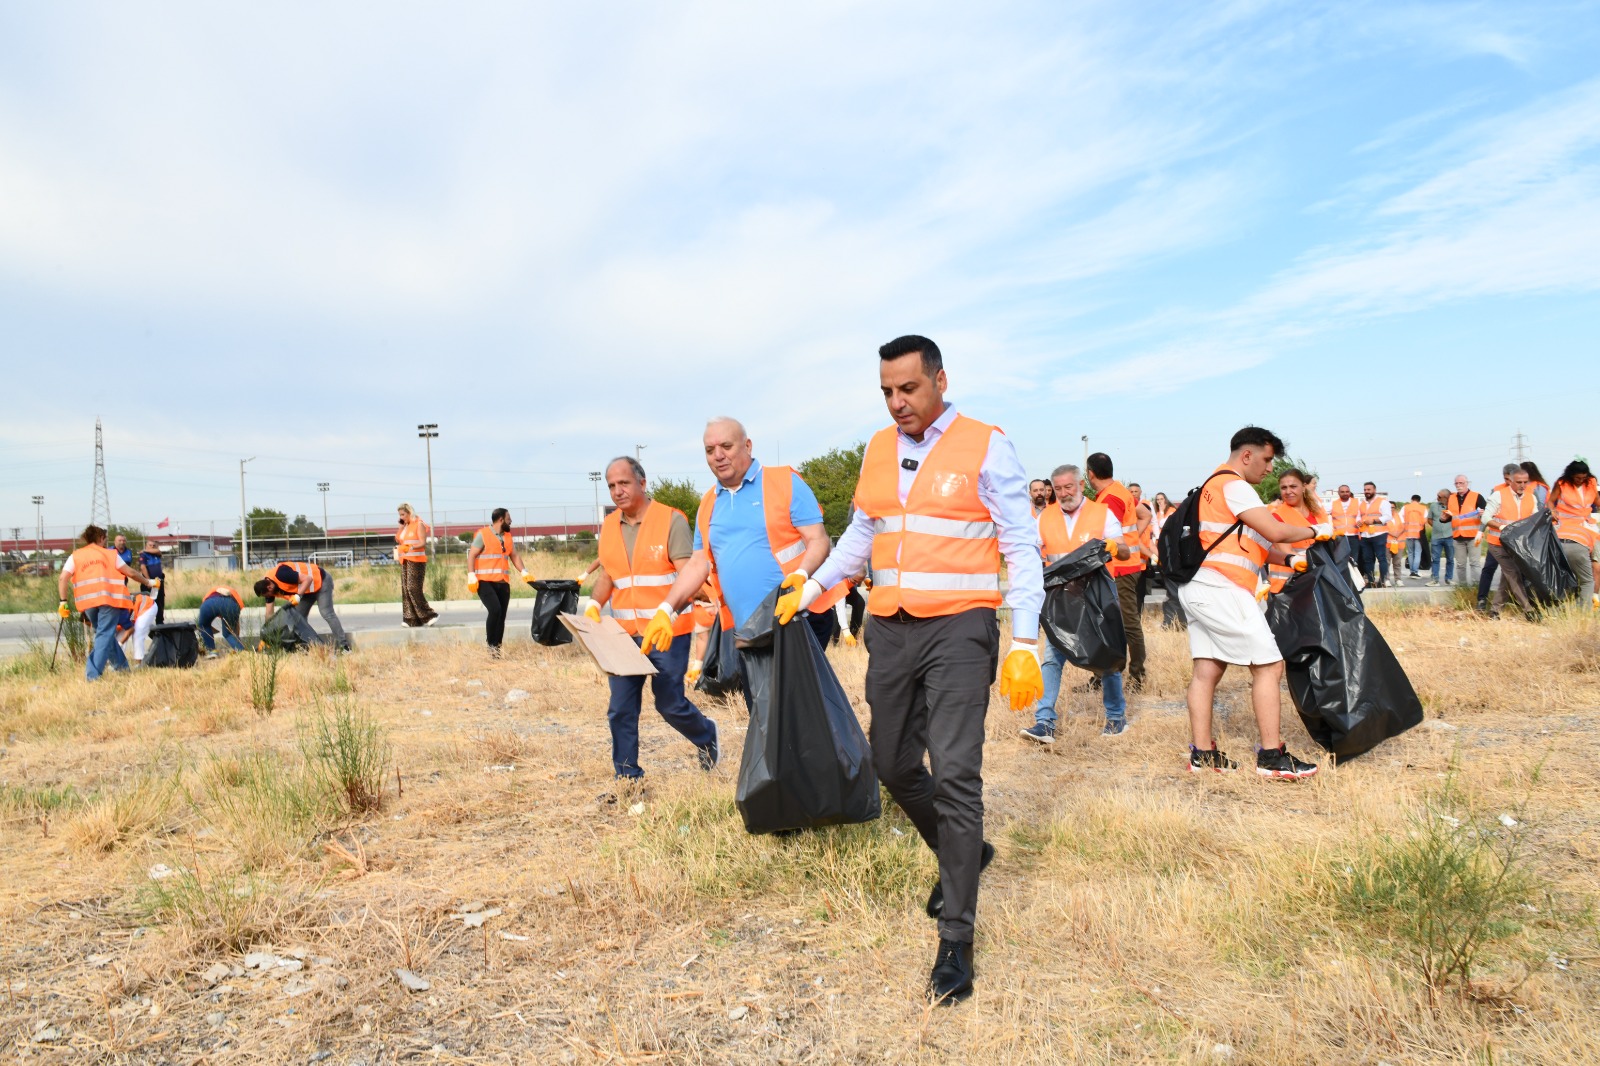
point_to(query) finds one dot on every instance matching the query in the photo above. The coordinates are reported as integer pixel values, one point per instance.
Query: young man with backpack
(1215, 547)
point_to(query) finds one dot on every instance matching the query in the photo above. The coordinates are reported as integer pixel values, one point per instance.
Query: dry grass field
(190, 880)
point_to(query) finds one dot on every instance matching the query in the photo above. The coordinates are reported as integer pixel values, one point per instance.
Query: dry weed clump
(267, 807)
(124, 815)
(215, 910)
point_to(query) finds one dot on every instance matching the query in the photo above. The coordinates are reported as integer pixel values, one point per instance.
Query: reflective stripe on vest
(413, 540)
(1277, 574)
(1465, 528)
(1572, 507)
(1056, 543)
(494, 562)
(96, 581)
(1115, 490)
(1344, 513)
(937, 554)
(1239, 557)
(1416, 516)
(1366, 509)
(639, 583)
(1512, 508)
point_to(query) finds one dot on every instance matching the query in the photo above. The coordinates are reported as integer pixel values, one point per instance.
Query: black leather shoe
(951, 979)
(936, 898)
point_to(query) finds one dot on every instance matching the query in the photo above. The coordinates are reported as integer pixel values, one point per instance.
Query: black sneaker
(1115, 727)
(935, 906)
(1278, 763)
(1040, 733)
(711, 754)
(1201, 761)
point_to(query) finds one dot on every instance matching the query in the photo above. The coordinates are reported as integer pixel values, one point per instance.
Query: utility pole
(638, 453)
(322, 487)
(38, 526)
(428, 431)
(597, 476)
(244, 521)
(1519, 445)
(1085, 439)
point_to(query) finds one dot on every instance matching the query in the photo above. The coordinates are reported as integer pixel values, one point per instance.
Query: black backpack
(1179, 543)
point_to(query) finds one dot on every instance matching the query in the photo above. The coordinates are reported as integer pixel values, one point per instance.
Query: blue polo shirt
(739, 541)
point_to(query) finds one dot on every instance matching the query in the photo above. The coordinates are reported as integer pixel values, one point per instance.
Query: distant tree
(680, 494)
(833, 478)
(584, 535)
(1268, 489)
(302, 526)
(135, 538)
(265, 524)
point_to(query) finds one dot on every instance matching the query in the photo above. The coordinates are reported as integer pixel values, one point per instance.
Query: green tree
(833, 478)
(135, 538)
(265, 524)
(1268, 489)
(680, 494)
(302, 526)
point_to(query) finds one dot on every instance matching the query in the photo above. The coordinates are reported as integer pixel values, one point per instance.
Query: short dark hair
(497, 514)
(93, 534)
(1364, 484)
(932, 361)
(1260, 438)
(1099, 464)
(1135, 485)
(1415, 498)
(263, 587)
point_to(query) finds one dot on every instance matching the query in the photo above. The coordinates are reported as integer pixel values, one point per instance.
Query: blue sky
(295, 231)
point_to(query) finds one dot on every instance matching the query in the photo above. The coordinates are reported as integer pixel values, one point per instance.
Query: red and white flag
(163, 523)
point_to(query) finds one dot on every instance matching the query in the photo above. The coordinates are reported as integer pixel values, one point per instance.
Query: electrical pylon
(100, 509)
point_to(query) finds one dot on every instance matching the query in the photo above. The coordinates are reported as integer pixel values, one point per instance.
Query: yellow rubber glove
(1299, 565)
(63, 610)
(691, 675)
(527, 577)
(1021, 680)
(472, 584)
(592, 612)
(802, 593)
(294, 601)
(849, 640)
(658, 634)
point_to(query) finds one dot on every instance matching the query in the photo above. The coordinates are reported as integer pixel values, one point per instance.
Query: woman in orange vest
(94, 574)
(1572, 504)
(411, 552)
(221, 605)
(1296, 507)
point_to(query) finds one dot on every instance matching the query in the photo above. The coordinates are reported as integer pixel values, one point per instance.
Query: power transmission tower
(100, 510)
(1519, 445)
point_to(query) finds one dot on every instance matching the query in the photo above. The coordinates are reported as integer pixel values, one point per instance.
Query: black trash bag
(1350, 690)
(1081, 615)
(806, 761)
(1533, 543)
(720, 671)
(288, 630)
(174, 644)
(556, 598)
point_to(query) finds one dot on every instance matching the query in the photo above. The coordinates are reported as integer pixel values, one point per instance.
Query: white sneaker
(1432, 585)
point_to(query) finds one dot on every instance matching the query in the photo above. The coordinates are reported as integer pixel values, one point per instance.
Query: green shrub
(347, 753)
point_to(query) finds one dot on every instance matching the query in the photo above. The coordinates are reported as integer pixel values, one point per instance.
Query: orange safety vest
(1465, 528)
(1416, 516)
(494, 562)
(305, 570)
(783, 538)
(413, 540)
(938, 553)
(640, 584)
(223, 590)
(1055, 543)
(1344, 514)
(1278, 574)
(1366, 509)
(1240, 556)
(96, 579)
(1115, 490)
(141, 604)
(1572, 507)
(1512, 508)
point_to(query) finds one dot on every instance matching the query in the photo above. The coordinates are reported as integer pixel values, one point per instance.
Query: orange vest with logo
(1055, 543)
(303, 571)
(938, 553)
(1512, 508)
(494, 562)
(1572, 507)
(640, 583)
(1344, 514)
(223, 590)
(413, 540)
(96, 581)
(1465, 528)
(1416, 516)
(1115, 490)
(1239, 556)
(783, 538)
(1278, 574)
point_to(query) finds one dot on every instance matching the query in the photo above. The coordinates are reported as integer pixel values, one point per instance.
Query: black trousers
(928, 685)
(858, 610)
(824, 625)
(496, 598)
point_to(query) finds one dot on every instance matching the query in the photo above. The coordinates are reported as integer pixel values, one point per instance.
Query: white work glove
(1323, 530)
(527, 578)
(589, 609)
(803, 592)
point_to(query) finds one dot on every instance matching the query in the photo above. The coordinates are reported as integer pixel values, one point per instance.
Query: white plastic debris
(412, 982)
(1508, 821)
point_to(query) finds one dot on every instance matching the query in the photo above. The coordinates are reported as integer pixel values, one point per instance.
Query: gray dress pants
(928, 686)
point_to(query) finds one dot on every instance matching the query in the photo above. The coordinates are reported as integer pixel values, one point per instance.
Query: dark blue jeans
(105, 653)
(666, 685)
(1374, 561)
(220, 609)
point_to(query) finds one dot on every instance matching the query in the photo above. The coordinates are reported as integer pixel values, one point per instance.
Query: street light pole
(638, 453)
(597, 476)
(38, 527)
(244, 521)
(322, 487)
(428, 431)
(1085, 439)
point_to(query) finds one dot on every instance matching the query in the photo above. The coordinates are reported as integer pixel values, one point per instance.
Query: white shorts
(1226, 624)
